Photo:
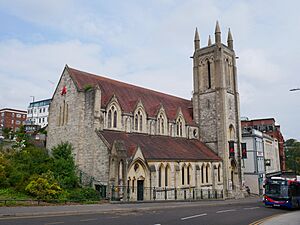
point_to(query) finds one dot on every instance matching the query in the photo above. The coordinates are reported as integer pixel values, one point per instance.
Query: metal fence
(124, 193)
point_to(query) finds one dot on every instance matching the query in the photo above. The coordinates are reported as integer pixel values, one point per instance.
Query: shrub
(44, 187)
(84, 194)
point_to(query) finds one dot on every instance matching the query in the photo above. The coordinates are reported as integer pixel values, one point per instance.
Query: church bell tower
(216, 105)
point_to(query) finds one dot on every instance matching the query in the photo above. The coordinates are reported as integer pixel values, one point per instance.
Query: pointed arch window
(161, 124)
(231, 132)
(219, 173)
(209, 74)
(188, 175)
(182, 175)
(109, 118)
(167, 175)
(112, 117)
(141, 121)
(138, 120)
(206, 173)
(115, 119)
(202, 173)
(160, 176)
(179, 125)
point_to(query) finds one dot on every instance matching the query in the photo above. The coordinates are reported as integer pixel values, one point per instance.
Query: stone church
(143, 144)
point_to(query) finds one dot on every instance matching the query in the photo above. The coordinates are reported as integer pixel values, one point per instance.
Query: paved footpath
(107, 207)
(292, 218)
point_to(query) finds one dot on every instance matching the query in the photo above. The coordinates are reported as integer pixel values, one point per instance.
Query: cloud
(255, 64)
(148, 43)
(26, 69)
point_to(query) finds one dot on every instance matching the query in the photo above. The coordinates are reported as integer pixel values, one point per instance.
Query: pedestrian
(248, 190)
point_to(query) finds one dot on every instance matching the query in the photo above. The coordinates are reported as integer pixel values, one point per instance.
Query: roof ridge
(128, 84)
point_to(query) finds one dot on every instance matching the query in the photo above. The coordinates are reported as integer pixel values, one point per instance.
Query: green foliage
(33, 171)
(21, 138)
(84, 194)
(5, 169)
(25, 163)
(44, 187)
(64, 168)
(292, 154)
(10, 193)
(6, 132)
(88, 87)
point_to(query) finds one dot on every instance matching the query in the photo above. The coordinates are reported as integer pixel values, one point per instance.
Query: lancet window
(112, 117)
(139, 120)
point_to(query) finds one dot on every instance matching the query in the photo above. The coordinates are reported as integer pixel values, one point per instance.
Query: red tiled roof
(128, 96)
(161, 147)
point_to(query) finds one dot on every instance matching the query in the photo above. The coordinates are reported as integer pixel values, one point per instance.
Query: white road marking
(54, 223)
(257, 207)
(228, 210)
(194, 216)
(157, 224)
(86, 220)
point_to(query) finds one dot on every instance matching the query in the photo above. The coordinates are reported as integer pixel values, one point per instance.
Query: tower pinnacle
(229, 40)
(209, 41)
(217, 33)
(197, 40)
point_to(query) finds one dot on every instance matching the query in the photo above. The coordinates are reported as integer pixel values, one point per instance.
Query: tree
(5, 169)
(64, 168)
(292, 153)
(6, 132)
(27, 162)
(21, 138)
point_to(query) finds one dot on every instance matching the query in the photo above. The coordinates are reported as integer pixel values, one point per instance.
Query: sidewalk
(107, 207)
(292, 218)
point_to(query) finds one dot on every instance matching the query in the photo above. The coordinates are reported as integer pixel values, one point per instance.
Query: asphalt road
(187, 214)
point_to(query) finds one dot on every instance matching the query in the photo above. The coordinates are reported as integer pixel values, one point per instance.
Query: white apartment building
(37, 112)
(254, 165)
(262, 159)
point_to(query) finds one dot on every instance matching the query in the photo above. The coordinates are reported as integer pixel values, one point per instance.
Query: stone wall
(76, 126)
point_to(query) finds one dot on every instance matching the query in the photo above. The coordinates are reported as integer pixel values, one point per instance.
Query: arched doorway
(139, 171)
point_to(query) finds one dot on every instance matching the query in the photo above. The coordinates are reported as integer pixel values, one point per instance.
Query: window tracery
(139, 120)
(112, 117)
(161, 123)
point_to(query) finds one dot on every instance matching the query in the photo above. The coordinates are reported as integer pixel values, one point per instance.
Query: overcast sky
(149, 43)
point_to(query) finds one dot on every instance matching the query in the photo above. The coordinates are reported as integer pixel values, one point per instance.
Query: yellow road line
(260, 221)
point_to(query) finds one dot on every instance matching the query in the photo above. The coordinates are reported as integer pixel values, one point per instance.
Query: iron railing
(124, 193)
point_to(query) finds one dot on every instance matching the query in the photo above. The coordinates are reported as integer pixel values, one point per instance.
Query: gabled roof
(156, 147)
(128, 95)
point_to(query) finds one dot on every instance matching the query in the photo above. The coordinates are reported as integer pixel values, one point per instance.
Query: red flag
(64, 91)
